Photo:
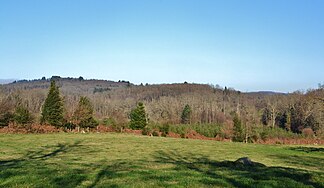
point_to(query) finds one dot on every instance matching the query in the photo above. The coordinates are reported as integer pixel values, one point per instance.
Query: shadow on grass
(310, 162)
(191, 170)
(308, 149)
(239, 175)
(42, 168)
(34, 169)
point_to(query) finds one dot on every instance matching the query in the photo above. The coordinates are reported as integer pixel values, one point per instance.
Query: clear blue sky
(249, 45)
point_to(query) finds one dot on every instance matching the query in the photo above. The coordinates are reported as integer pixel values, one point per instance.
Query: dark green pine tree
(138, 117)
(186, 114)
(83, 115)
(22, 116)
(238, 129)
(52, 111)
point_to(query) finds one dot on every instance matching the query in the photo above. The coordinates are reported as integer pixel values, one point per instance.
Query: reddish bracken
(35, 128)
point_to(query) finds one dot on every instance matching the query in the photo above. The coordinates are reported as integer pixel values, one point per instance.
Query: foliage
(186, 114)
(165, 103)
(146, 131)
(266, 133)
(266, 116)
(109, 122)
(88, 123)
(138, 117)
(238, 130)
(52, 111)
(83, 114)
(69, 125)
(165, 129)
(155, 133)
(6, 110)
(22, 116)
(5, 119)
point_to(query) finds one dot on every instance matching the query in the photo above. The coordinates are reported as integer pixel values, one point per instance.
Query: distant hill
(68, 85)
(6, 81)
(267, 93)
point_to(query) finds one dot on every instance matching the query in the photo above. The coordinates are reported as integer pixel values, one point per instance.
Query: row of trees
(53, 112)
(164, 104)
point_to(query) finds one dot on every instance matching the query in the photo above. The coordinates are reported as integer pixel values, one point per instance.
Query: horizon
(249, 46)
(11, 81)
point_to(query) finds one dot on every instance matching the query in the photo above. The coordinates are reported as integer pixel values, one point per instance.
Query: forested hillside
(164, 104)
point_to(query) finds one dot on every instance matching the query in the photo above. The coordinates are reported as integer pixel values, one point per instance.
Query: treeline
(209, 110)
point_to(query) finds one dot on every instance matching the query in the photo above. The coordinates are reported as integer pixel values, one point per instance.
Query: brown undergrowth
(191, 134)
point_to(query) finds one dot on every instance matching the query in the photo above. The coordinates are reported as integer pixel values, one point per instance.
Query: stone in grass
(245, 161)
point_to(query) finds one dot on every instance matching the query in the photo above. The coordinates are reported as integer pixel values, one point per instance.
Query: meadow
(126, 160)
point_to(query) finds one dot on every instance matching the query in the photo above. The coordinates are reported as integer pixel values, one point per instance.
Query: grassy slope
(101, 160)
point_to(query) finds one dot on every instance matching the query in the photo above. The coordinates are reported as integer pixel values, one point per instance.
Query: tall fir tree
(138, 117)
(186, 114)
(52, 111)
(83, 115)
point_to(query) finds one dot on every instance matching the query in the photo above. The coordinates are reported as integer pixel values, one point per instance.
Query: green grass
(121, 160)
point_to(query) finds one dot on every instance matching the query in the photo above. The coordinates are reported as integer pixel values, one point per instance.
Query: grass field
(121, 160)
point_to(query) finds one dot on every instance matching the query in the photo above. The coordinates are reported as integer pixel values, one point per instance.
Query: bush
(264, 135)
(69, 125)
(267, 132)
(179, 129)
(165, 128)
(155, 133)
(22, 116)
(5, 119)
(308, 132)
(109, 121)
(146, 131)
(208, 130)
(89, 123)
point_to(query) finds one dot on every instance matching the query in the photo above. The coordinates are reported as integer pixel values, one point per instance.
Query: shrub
(69, 125)
(5, 119)
(22, 116)
(308, 132)
(264, 135)
(179, 129)
(146, 131)
(155, 133)
(89, 123)
(109, 121)
(83, 115)
(165, 128)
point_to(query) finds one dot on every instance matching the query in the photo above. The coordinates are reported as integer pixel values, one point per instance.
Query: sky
(248, 45)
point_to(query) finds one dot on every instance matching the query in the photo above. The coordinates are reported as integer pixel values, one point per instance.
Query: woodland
(209, 111)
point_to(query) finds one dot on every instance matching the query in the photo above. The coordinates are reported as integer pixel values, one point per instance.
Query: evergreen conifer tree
(52, 111)
(186, 114)
(138, 117)
(83, 115)
(22, 116)
(238, 129)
